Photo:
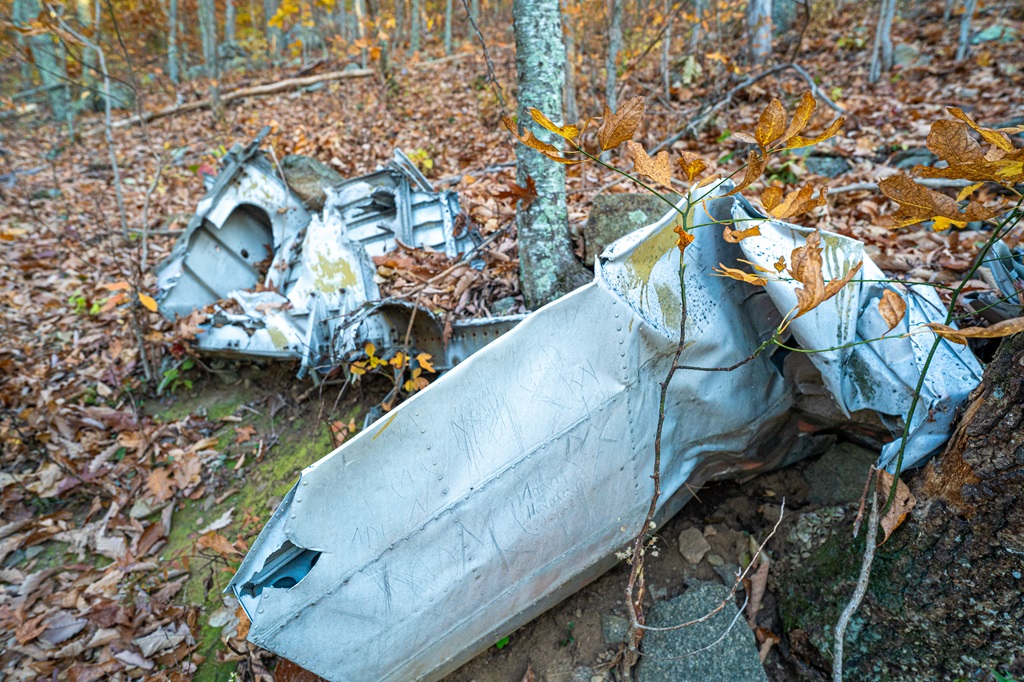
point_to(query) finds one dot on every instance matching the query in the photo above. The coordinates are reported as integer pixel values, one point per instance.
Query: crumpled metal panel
(314, 270)
(512, 480)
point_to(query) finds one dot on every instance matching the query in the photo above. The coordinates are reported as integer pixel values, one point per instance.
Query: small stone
(716, 560)
(710, 531)
(692, 545)
(613, 629)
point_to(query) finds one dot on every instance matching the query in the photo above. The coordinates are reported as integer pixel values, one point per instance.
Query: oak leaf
(218, 543)
(918, 203)
(692, 165)
(892, 307)
(658, 168)
(618, 127)
(160, 485)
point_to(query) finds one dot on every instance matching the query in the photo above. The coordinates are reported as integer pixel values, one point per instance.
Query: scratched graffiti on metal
(512, 480)
(302, 283)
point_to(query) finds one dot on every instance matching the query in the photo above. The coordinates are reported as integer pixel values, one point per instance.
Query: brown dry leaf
(834, 287)
(618, 127)
(755, 167)
(995, 331)
(771, 197)
(160, 485)
(529, 676)
(218, 543)
(801, 117)
(758, 587)
(993, 137)
(531, 141)
(797, 142)
(658, 169)
(892, 307)
(739, 275)
(516, 193)
(805, 268)
(286, 671)
(917, 204)
(735, 236)
(569, 131)
(242, 631)
(799, 201)
(951, 142)
(968, 191)
(684, 239)
(692, 165)
(244, 434)
(771, 125)
(901, 505)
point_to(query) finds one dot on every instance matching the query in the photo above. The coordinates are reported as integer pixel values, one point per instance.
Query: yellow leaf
(918, 203)
(569, 132)
(968, 191)
(424, 361)
(531, 141)
(771, 197)
(618, 127)
(892, 308)
(780, 264)
(755, 167)
(797, 142)
(148, 302)
(658, 169)
(995, 331)
(771, 125)
(692, 165)
(370, 349)
(739, 275)
(901, 505)
(801, 117)
(735, 236)
(798, 202)
(993, 137)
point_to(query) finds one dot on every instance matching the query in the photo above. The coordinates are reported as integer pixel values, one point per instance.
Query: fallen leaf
(901, 505)
(160, 484)
(892, 307)
(244, 434)
(218, 543)
(148, 302)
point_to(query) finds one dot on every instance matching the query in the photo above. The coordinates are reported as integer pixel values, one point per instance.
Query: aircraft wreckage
(513, 480)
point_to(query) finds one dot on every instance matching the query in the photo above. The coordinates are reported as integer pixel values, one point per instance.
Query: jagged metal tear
(511, 481)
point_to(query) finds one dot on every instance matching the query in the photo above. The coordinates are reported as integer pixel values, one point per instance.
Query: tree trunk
(359, 9)
(47, 57)
(274, 35)
(570, 105)
(881, 55)
(88, 16)
(208, 34)
(547, 264)
(448, 27)
(666, 52)
(414, 27)
(614, 46)
(947, 13)
(474, 11)
(229, 21)
(173, 60)
(396, 39)
(759, 18)
(944, 600)
(963, 49)
(698, 27)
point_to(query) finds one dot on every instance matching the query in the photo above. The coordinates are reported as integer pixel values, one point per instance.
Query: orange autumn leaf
(692, 165)
(771, 125)
(797, 141)
(771, 197)
(797, 202)
(755, 167)
(739, 275)
(735, 236)
(148, 302)
(657, 169)
(951, 142)
(569, 132)
(806, 268)
(901, 505)
(218, 543)
(530, 140)
(618, 127)
(801, 117)
(684, 239)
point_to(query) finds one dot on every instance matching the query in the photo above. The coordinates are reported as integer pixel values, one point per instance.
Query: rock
(667, 656)
(838, 476)
(995, 32)
(692, 545)
(613, 629)
(908, 158)
(728, 573)
(827, 166)
(715, 560)
(909, 57)
(615, 215)
(308, 177)
(504, 306)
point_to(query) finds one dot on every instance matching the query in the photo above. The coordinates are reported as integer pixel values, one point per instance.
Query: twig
(495, 85)
(859, 591)
(935, 183)
(145, 216)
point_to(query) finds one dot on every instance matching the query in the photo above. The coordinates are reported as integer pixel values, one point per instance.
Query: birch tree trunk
(881, 54)
(52, 69)
(274, 35)
(448, 27)
(614, 46)
(548, 268)
(173, 60)
(208, 34)
(964, 48)
(759, 18)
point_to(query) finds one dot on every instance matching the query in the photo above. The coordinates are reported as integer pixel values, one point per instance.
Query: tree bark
(759, 18)
(448, 27)
(274, 35)
(944, 600)
(666, 52)
(208, 35)
(612, 62)
(570, 96)
(229, 21)
(881, 55)
(173, 60)
(547, 265)
(414, 27)
(47, 57)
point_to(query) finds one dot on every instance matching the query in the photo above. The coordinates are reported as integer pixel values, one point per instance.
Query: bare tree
(881, 55)
(448, 27)
(229, 21)
(48, 57)
(414, 27)
(614, 47)
(208, 34)
(666, 51)
(547, 264)
(173, 60)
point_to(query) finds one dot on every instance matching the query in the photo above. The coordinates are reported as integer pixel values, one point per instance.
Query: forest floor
(124, 511)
